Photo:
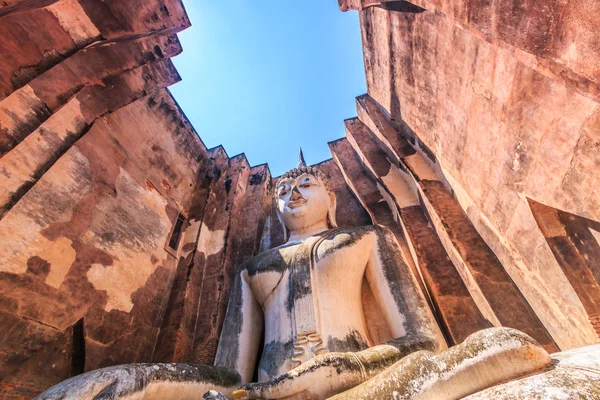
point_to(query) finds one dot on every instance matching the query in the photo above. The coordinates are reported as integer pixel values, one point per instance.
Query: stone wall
(499, 104)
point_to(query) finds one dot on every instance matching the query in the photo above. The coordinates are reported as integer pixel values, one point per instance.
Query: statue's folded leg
(486, 358)
(145, 381)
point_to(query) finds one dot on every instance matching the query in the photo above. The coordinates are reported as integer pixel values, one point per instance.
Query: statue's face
(302, 201)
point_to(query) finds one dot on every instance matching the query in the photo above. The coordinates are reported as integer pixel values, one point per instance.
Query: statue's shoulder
(275, 259)
(356, 232)
(341, 238)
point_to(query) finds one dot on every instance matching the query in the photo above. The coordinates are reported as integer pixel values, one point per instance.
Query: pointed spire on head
(302, 168)
(301, 161)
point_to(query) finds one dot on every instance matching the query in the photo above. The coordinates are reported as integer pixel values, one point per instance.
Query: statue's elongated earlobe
(332, 209)
(283, 227)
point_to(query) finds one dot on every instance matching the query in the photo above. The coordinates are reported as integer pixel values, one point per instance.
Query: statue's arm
(242, 329)
(400, 298)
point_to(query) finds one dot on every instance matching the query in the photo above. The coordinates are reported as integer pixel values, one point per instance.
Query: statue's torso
(289, 291)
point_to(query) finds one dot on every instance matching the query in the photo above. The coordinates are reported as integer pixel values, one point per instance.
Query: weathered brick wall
(88, 241)
(500, 102)
(96, 163)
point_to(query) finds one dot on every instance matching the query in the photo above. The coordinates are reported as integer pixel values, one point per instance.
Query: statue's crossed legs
(486, 358)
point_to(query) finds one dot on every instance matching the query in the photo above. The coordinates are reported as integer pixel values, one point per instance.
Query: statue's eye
(282, 192)
(306, 182)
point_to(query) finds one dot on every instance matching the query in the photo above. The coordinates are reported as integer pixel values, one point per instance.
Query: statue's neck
(304, 233)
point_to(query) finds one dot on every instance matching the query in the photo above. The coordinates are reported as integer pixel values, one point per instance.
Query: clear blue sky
(266, 77)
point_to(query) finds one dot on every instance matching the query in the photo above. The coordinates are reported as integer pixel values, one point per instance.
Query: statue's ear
(332, 209)
(283, 227)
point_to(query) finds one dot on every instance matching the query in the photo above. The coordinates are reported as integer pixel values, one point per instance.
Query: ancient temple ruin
(477, 145)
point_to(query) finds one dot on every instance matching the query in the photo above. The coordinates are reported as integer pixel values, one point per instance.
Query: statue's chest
(286, 274)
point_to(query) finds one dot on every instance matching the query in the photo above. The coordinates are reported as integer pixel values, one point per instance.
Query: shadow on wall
(402, 6)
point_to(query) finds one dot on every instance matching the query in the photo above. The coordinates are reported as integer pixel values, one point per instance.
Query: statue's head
(304, 198)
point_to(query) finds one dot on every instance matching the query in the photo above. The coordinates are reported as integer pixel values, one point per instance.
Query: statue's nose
(295, 194)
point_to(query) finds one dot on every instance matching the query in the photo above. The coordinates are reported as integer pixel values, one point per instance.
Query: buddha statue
(342, 315)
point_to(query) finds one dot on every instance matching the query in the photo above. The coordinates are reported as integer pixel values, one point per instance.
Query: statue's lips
(296, 203)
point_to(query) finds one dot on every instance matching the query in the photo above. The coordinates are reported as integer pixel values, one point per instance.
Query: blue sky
(266, 77)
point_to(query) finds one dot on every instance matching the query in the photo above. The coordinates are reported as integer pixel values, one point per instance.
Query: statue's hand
(324, 375)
